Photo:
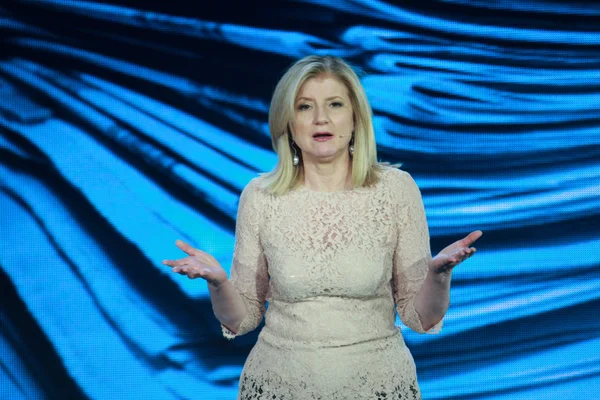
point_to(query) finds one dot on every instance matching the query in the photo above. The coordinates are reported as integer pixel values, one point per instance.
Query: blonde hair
(285, 176)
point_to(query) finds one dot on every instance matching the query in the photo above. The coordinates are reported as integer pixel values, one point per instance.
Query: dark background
(127, 125)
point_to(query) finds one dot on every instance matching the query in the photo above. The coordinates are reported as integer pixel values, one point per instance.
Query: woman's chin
(327, 157)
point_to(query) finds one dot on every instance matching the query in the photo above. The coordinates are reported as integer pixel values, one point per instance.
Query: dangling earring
(295, 158)
(352, 145)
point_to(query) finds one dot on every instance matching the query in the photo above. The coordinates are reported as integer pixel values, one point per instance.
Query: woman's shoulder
(251, 197)
(400, 184)
(254, 186)
(392, 174)
(257, 189)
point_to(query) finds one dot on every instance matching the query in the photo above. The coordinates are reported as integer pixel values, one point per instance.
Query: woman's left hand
(454, 254)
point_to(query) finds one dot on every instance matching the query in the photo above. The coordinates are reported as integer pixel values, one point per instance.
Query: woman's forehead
(322, 86)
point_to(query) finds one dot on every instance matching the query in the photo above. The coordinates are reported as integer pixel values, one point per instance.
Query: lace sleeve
(413, 252)
(249, 273)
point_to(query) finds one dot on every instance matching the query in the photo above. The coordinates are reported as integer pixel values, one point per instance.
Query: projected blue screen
(127, 125)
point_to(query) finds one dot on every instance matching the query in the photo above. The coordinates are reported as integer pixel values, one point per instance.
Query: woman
(335, 242)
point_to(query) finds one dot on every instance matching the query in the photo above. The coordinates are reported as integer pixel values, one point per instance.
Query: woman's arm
(228, 305)
(433, 299)
(238, 302)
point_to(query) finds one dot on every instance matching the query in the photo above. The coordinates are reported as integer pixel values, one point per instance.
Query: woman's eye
(303, 107)
(337, 104)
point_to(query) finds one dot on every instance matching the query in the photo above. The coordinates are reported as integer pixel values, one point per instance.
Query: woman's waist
(329, 321)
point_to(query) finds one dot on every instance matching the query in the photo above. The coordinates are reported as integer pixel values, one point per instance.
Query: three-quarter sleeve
(413, 252)
(249, 272)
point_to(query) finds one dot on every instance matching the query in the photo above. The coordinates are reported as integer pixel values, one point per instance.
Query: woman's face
(324, 119)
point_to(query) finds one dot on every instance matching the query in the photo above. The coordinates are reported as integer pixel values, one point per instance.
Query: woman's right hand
(199, 264)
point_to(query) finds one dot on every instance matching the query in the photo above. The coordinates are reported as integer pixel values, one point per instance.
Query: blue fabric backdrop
(127, 125)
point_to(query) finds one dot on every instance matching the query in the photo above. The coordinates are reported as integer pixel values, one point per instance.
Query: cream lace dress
(334, 267)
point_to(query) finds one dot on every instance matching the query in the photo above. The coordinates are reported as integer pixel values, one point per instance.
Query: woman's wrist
(442, 277)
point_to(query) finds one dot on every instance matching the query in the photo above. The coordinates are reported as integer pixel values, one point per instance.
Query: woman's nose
(321, 115)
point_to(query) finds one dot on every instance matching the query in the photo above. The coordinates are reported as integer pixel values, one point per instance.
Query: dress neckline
(303, 189)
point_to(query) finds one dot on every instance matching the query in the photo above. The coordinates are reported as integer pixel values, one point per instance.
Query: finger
(186, 247)
(459, 252)
(458, 257)
(175, 263)
(197, 274)
(179, 268)
(466, 251)
(193, 275)
(189, 272)
(472, 237)
(468, 255)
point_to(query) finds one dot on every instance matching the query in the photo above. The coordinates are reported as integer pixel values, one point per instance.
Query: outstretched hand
(455, 253)
(199, 264)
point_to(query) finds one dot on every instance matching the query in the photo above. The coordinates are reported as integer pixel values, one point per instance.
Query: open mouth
(322, 135)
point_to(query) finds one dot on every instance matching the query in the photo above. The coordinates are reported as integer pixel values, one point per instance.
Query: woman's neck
(328, 177)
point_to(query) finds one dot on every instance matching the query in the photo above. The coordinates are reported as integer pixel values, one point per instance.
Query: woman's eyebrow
(327, 99)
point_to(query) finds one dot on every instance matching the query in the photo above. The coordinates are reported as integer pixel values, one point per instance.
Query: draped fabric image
(125, 125)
